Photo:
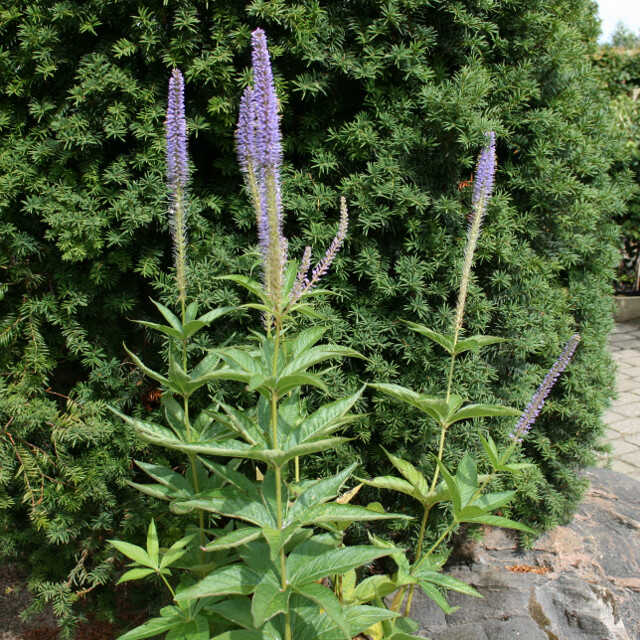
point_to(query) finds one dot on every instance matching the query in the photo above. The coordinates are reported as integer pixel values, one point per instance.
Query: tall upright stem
(278, 469)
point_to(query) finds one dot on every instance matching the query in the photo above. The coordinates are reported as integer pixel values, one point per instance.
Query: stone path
(623, 418)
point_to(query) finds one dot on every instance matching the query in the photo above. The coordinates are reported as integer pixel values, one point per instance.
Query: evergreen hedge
(620, 70)
(385, 102)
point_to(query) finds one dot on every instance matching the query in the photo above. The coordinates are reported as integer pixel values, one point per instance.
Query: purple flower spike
(484, 178)
(268, 142)
(260, 155)
(322, 267)
(177, 176)
(176, 129)
(534, 407)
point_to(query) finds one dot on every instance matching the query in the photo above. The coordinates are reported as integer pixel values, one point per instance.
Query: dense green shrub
(620, 69)
(387, 103)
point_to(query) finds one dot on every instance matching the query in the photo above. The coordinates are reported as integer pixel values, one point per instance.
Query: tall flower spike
(323, 266)
(482, 190)
(534, 407)
(177, 176)
(260, 154)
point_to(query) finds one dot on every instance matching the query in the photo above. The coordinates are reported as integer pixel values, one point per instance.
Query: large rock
(578, 582)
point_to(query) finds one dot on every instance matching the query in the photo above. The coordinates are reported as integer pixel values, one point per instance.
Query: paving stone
(628, 426)
(611, 416)
(621, 447)
(627, 397)
(633, 438)
(632, 372)
(625, 383)
(623, 467)
(630, 410)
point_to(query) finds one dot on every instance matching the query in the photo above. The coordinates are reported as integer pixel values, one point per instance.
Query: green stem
(423, 527)
(173, 595)
(278, 469)
(187, 427)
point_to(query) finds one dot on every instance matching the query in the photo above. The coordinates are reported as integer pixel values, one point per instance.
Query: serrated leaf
(326, 600)
(154, 490)
(169, 316)
(235, 579)
(305, 340)
(287, 383)
(316, 355)
(432, 592)
(499, 521)
(433, 406)
(268, 599)
(333, 512)
(476, 342)
(393, 484)
(490, 449)
(303, 568)
(482, 411)
(133, 552)
(515, 467)
(467, 479)
(154, 375)
(378, 586)
(240, 634)
(152, 543)
(250, 285)
(442, 340)
(165, 476)
(446, 581)
(236, 610)
(162, 328)
(492, 501)
(236, 538)
(152, 627)
(410, 473)
(135, 574)
(214, 314)
(452, 485)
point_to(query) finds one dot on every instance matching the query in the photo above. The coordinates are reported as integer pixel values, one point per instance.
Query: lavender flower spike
(534, 407)
(260, 154)
(177, 175)
(323, 266)
(482, 190)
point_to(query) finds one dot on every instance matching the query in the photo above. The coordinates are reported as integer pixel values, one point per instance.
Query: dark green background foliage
(620, 69)
(384, 102)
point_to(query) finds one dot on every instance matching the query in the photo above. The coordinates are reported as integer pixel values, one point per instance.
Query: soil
(14, 597)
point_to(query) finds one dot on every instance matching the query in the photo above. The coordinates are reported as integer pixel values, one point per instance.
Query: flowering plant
(264, 556)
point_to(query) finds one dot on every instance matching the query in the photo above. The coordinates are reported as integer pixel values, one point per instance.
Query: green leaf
(393, 484)
(361, 617)
(325, 419)
(435, 407)
(236, 610)
(154, 490)
(135, 574)
(491, 450)
(378, 586)
(305, 340)
(316, 355)
(191, 311)
(305, 565)
(498, 521)
(250, 285)
(467, 479)
(234, 539)
(410, 473)
(452, 485)
(166, 477)
(425, 574)
(333, 512)
(268, 599)
(515, 467)
(235, 579)
(135, 553)
(482, 411)
(432, 592)
(214, 314)
(162, 328)
(154, 375)
(442, 340)
(327, 601)
(287, 383)
(493, 501)
(152, 543)
(169, 316)
(153, 627)
(240, 634)
(476, 342)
